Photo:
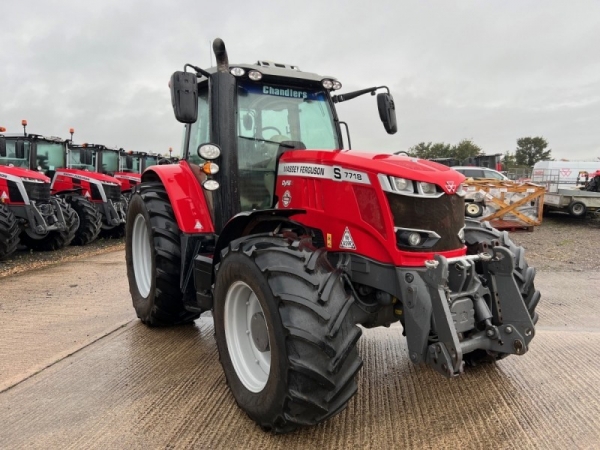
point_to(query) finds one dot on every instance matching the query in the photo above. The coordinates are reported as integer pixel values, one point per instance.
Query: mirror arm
(202, 72)
(350, 95)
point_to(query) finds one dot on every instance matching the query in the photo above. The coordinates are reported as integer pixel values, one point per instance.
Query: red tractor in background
(293, 242)
(29, 214)
(125, 166)
(102, 191)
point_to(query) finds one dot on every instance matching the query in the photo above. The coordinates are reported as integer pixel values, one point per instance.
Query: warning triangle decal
(3, 196)
(347, 241)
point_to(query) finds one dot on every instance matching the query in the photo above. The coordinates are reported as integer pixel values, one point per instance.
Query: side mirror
(387, 112)
(2, 147)
(20, 149)
(184, 96)
(129, 162)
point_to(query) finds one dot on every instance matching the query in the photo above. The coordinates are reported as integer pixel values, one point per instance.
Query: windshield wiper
(266, 140)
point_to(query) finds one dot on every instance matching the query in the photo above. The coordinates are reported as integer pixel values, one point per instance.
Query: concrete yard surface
(79, 371)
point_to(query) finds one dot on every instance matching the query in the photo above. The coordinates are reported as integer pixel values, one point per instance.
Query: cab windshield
(11, 154)
(130, 163)
(82, 158)
(50, 155)
(272, 114)
(110, 162)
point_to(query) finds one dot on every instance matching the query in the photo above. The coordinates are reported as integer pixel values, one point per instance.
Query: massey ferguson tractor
(102, 191)
(292, 242)
(29, 215)
(125, 166)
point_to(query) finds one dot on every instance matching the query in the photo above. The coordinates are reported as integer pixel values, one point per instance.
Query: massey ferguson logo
(451, 187)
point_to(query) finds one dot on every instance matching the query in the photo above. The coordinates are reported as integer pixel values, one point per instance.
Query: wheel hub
(258, 328)
(247, 336)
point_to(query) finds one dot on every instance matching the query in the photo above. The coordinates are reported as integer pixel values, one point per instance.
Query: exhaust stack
(221, 55)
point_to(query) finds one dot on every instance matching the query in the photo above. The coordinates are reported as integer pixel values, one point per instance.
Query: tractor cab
(274, 108)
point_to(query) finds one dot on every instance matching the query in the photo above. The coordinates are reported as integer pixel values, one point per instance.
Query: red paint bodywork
(186, 196)
(64, 180)
(330, 205)
(18, 172)
(128, 180)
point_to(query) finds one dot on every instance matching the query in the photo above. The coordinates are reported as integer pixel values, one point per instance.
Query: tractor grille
(14, 193)
(112, 192)
(445, 215)
(37, 191)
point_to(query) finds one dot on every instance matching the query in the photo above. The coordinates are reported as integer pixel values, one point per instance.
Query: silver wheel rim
(251, 365)
(578, 209)
(141, 255)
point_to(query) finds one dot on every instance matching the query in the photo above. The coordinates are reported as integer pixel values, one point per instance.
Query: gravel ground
(561, 243)
(25, 259)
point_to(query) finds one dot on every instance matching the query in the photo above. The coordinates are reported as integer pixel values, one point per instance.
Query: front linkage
(462, 308)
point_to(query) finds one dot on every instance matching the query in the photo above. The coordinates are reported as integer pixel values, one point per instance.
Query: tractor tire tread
(320, 333)
(90, 220)
(9, 232)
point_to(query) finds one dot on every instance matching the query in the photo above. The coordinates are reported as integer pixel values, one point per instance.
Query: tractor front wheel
(88, 217)
(9, 232)
(153, 258)
(285, 332)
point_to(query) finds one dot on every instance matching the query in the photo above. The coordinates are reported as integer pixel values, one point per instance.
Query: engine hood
(82, 174)
(24, 173)
(394, 165)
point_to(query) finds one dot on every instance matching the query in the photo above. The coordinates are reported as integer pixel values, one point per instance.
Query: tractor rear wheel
(89, 219)
(285, 332)
(56, 239)
(480, 235)
(153, 258)
(9, 232)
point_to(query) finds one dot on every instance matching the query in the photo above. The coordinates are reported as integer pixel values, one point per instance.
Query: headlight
(209, 151)
(254, 75)
(414, 239)
(402, 184)
(211, 185)
(337, 85)
(427, 188)
(327, 84)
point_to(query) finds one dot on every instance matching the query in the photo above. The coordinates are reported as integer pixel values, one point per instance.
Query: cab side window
(200, 130)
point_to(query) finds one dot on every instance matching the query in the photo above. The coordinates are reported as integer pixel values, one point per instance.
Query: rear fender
(186, 196)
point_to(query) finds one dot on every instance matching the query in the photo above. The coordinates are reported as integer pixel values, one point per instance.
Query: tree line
(528, 151)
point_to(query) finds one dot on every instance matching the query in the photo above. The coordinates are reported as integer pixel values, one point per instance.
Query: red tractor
(293, 242)
(28, 213)
(125, 166)
(103, 191)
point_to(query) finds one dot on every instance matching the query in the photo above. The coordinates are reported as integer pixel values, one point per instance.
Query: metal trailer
(577, 202)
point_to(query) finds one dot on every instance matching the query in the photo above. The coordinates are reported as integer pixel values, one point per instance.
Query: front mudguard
(439, 336)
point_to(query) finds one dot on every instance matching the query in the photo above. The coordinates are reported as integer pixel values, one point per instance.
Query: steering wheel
(270, 128)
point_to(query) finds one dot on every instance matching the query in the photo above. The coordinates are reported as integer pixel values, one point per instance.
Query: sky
(491, 71)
